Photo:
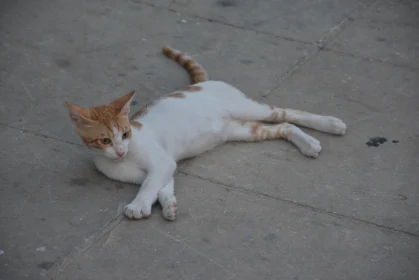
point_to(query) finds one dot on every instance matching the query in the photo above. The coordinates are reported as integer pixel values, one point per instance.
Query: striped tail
(195, 70)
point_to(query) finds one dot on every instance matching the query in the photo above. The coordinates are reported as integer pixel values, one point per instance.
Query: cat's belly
(188, 129)
(199, 145)
(191, 141)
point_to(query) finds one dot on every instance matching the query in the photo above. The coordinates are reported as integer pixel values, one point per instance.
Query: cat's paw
(137, 209)
(312, 148)
(334, 125)
(170, 211)
(307, 144)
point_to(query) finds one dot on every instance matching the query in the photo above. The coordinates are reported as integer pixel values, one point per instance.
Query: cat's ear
(79, 115)
(123, 103)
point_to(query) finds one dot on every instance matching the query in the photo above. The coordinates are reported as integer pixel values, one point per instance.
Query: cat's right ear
(78, 116)
(123, 103)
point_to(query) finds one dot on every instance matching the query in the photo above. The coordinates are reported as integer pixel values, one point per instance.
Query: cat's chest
(125, 170)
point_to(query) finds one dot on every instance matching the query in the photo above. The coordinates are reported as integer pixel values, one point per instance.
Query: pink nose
(120, 153)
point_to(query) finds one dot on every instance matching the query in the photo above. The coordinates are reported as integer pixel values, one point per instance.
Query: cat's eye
(126, 134)
(105, 141)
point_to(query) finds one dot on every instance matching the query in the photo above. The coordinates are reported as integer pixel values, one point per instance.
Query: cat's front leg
(167, 199)
(158, 176)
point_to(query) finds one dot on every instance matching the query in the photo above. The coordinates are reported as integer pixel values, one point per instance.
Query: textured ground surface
(247, 211)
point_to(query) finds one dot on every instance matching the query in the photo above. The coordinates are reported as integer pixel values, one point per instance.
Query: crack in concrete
(91, 241)
(196, 251)
(319, 44)
(371, 59)
(40, 135)
(228, 24)
(299, 204)
(322, 42)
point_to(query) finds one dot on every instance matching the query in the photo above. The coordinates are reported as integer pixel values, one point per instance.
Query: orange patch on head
(176, 95)
(96, 125)
(92, 142)
(95, 136)
(192, 88)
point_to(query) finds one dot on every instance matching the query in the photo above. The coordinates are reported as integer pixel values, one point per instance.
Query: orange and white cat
(145, 149)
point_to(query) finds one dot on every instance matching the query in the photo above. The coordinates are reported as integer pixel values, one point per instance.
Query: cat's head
(106, 128)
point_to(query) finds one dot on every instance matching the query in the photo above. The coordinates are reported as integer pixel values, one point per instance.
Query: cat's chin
(118, 158)
(108, 157)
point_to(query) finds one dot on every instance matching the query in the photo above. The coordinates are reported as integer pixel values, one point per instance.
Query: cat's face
(105, 129)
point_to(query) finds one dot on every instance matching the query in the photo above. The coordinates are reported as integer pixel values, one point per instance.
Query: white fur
(119, 146)
(178, 128)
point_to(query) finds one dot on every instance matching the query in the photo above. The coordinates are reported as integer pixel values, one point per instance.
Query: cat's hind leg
(167, 199)
(250, 110)
(257, 131)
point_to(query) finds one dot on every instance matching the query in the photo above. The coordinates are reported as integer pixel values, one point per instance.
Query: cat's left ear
(123, 103)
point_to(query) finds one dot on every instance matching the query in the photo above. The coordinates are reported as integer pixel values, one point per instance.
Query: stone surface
(52, 197)
(227, 234)
(38, 82)
(377, 184)
(392, 41)
(399, 11)
(301, 20)
(386, 32)
(274, 214)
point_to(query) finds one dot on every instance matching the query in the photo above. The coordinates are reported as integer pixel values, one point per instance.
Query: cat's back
(207, 100)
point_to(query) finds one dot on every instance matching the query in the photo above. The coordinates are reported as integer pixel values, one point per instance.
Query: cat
(145, 149)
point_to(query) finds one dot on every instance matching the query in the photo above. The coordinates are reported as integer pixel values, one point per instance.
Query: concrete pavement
(246, 211)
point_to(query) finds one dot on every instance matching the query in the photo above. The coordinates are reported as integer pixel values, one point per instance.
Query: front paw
(170, 211)
(137, 210)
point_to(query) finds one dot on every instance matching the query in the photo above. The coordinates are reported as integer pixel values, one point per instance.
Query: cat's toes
(307, 144)
(335, 125)
(312, 148)
(137, 210)
(170, 211)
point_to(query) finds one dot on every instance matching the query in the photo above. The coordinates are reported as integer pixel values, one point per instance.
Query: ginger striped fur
(195, 70)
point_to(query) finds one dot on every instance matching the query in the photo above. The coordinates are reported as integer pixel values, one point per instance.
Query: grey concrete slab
(37, 82)
(77, 26)
(301, 20)
(222, 233)
(387, 32)
(377, 184)
(53, 25)
(400, 11)
(52, 202)
(55, 208)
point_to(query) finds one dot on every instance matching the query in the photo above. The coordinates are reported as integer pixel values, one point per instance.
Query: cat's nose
(120, 153)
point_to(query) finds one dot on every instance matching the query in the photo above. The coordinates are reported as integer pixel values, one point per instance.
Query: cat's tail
(195, 70)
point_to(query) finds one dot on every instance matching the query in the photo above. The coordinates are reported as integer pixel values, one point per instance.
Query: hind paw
(334, 125)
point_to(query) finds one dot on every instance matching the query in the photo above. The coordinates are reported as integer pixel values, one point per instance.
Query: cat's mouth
(120, 158)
